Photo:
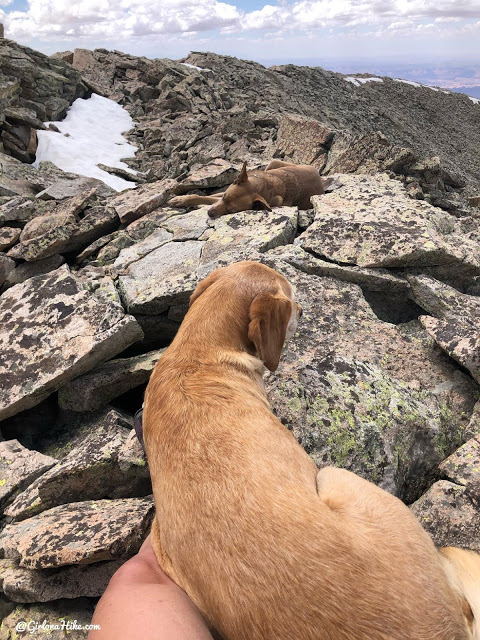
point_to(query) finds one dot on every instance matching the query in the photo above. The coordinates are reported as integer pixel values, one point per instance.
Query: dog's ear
(203, 285)
(260, 204)
(242, 176)
(269, 318)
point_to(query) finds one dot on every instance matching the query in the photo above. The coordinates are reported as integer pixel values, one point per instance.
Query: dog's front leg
(193, 200)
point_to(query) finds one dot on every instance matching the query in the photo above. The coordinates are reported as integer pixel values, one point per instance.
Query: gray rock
(131, 206)
(8, 237)
(65, 618)
(63, 231)
(168, 275)
(43, 585)
(303, 140)
(144, 226)
(372, 279)
(7, 265)
(79, 533)
(450, 517)
(65, 56)
(77, 429)
(371, 222)
(455, 327)
(366, 153)
(463, 466)
(139, 250)
(218, 173)
(63, 189)
(132, 457)
(47, 86)
(98, 281)
(111, 250)
(250, 231)
(107, 381)
(90, 471)
(28, 270)
(19, 467)
(189, 226)
(52, 330)
(164, 277)
(21, 209)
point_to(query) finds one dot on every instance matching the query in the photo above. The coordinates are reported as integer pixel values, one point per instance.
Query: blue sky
(278, 30)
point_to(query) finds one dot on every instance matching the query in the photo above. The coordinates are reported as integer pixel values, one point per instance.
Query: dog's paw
(179, 201)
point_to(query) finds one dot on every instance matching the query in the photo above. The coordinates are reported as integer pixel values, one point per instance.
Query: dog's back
(301, 182)
(262, 556)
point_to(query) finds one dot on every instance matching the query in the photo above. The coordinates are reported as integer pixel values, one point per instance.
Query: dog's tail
(463, 572)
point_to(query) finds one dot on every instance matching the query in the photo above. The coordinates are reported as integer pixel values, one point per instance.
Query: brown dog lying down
(267, 546)
(281, 184)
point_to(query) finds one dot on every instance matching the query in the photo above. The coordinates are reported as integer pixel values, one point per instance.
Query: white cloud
(127, 19)
(111, 18)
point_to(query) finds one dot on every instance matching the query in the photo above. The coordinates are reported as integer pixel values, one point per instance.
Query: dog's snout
(211, 213)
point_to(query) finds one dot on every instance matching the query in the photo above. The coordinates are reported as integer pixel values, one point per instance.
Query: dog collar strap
(138, 423)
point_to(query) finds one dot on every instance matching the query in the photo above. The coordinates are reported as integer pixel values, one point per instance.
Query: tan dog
(266, 546)
(281, 184)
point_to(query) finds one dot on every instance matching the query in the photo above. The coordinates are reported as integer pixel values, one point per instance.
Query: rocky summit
(383, 374)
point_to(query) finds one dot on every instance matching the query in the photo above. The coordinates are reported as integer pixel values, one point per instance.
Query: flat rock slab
(463, 466)
(53, 330)
(140, 249)
(23, 209)
(189, 226)
(42, 585)
(164, 277)
(449, 515)
(249, 231)
(102, 465)
(167, 276)
(63, 231)
(372, 279)
(455, 326)
(19, 467)
(371, 222)
(79, 533)
(303, 140)
(69, 188)
(218, 173)
(109, 380)
(131, 206)
(65, 618)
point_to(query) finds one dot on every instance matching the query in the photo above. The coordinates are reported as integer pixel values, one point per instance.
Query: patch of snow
(91, 134)
(418, 84)
(192, 66)
(410, 82)
(474, 100)
(359, 81)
